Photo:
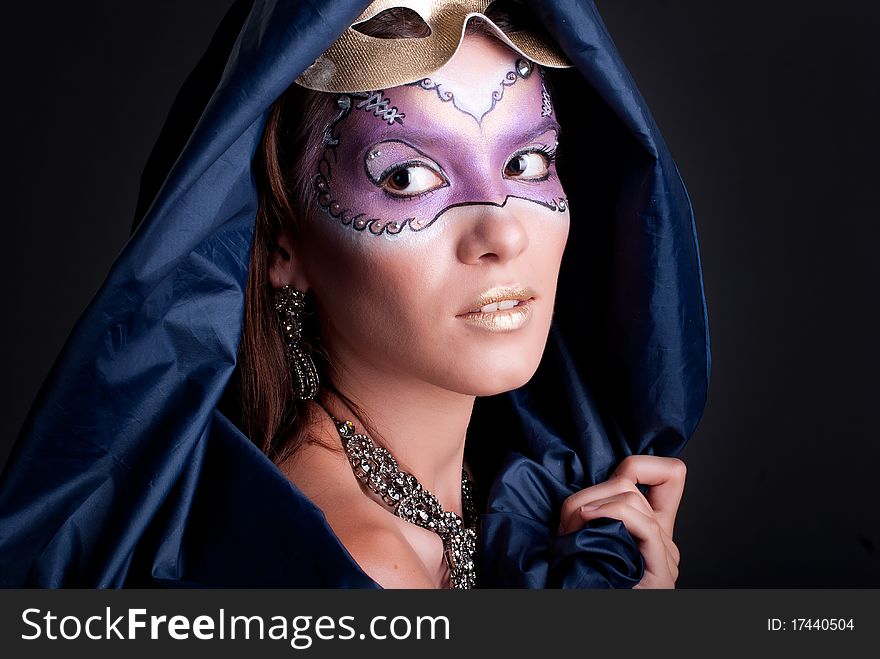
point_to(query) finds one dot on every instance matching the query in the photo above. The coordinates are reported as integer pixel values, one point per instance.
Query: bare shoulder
(369, 532)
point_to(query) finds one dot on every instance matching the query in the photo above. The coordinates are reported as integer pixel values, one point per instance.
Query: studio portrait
(440, 294)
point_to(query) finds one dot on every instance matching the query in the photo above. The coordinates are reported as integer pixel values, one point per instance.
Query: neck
(421, 425)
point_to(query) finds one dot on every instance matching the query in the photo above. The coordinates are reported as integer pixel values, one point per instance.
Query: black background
(770, 109)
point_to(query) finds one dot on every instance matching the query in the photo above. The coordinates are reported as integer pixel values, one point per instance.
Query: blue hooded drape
(130, 470)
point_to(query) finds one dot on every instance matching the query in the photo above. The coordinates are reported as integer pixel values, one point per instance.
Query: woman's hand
(649, 520)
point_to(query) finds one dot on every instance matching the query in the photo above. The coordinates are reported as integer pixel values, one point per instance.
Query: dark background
(770, 111)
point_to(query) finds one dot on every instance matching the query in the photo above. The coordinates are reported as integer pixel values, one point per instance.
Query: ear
(284, 265)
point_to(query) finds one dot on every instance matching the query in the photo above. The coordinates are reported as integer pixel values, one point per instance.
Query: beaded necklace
(377, 468)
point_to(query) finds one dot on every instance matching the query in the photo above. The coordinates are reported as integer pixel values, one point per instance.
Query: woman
(432, 265)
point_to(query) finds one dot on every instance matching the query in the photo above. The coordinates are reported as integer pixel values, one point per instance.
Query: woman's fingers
(660, 570)
(666, 477)
(637, 501)
(648, 518)
(569, 517)
(629, 497)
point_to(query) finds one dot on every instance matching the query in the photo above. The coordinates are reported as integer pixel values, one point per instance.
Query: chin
(487, 370)
(510, 375)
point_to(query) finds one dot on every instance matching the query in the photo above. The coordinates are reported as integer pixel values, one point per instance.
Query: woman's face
(442, 223)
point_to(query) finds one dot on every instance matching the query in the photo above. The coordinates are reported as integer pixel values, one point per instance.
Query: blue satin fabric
(126, 472)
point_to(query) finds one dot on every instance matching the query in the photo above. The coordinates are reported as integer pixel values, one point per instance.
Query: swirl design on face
(377, 104)
(383, 176)
(522, 69)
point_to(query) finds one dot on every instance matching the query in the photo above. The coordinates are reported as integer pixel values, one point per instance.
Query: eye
(411, 179)
(529, 165)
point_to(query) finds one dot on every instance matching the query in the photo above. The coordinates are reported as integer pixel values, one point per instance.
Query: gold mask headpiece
(358, 62)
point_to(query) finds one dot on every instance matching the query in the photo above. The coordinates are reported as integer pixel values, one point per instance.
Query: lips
(500, 298)
(500, 309)
(504, 305)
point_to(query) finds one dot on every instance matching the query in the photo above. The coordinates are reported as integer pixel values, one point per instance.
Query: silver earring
(290, 303)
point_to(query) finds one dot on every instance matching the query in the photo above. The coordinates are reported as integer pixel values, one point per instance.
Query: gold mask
(357, 62)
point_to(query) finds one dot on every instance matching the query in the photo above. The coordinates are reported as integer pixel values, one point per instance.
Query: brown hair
(271, 415)
(283, 166)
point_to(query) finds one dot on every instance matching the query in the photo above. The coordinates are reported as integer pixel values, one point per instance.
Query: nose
(495, 235)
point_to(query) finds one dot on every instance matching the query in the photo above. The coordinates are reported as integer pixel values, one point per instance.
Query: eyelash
(418, 195)
(388, 173)
(391, 172)
(549, 152)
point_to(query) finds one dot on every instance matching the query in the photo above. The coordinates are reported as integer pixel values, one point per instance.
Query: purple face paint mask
(399, 158)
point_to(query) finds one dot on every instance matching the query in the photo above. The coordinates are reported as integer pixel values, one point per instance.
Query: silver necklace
(377, 468)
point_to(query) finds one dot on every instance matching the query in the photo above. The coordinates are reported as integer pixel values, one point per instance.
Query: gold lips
(500, 294)
(499, 319)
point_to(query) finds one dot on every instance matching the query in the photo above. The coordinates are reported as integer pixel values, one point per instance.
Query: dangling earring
(290, 303)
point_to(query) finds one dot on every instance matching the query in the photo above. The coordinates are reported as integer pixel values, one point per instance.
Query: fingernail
(588, 508)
